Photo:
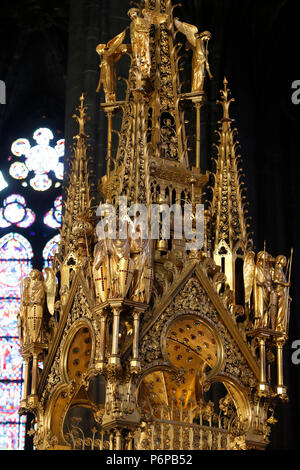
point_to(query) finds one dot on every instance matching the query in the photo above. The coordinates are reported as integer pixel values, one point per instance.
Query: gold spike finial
(81, 117)
(225, 101)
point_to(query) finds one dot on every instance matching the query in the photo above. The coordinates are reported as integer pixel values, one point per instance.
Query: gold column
(135, 345)
(34, 374)
(109, 140)
(114, 357)
(111, 441)
(26, 378)
(262, 349)
(118, 440)
(281, 389)
(103, 319)
(198, 145)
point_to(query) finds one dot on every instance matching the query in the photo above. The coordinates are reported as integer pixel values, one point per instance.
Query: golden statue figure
(110, 53)
(199, 45)
(262, 289)
(248, 273)
(139, 33)
(23, 313)
(38, 288)
(143, 277)
(121, 268)
(101, 270)
(36, 304)
(281, 289)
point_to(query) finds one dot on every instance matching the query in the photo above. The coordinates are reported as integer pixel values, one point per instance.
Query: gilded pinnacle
(82, 117)
(225, 102)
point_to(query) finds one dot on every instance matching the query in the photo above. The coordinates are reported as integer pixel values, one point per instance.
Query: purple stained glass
(8, 317)
(18, 171)
(12, 435)
(10, 397)
(20, 147)
(41, 183)
(53, 217)
(14, 212)
(50, 250)
(11, 275)
(3, 221)
(14, 246)
(28, 220)
(10, 359)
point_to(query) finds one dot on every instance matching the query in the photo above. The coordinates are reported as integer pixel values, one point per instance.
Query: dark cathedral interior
(48, 58)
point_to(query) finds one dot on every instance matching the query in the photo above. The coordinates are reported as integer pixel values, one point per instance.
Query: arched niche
(83, 419)
(77, 356)
(224, 385)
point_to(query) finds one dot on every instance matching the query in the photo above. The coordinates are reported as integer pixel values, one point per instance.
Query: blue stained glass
(20, 147)
(18, 171)
(14, 213)
(53, 217)
(28, 220)
(41, 183)
(10, 397)
(43, 159)
(11, 275)
(3, 221)
(14, 198)
(3, 183)
(50, 249)
(12, 435)
(10, 359)
(15, 246)
(8, 317)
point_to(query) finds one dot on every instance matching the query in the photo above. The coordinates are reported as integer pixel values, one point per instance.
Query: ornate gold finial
(226, 102)
(82, 117)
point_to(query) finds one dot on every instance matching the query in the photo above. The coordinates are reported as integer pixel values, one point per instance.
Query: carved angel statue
(248, 273)
(38, 289)
(121, 267)
(23, 313)
(101, 271)
(141, 22)
(143, 276)
(112, 269)
(262, 289)
(281, 294)
(199, 45)
(110, 54)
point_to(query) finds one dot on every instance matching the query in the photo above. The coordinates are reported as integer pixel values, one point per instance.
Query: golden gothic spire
(229, 225)
(78, 210)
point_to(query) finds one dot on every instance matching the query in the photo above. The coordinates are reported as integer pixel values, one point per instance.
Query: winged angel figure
(140, 36)
(257, 277)
(199, 44)
(36, 288)
(110, 54)
(249, 273)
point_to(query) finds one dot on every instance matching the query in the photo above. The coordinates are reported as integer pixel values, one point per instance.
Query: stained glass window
(53, 217)
(3, 183)
(14, 211)
(15, 263)
(33, 166)
(41, 159)
(50, 250)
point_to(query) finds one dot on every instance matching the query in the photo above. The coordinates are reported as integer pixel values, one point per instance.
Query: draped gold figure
(199, 45)
(281, 289)
(110, 54)
(139, 32)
